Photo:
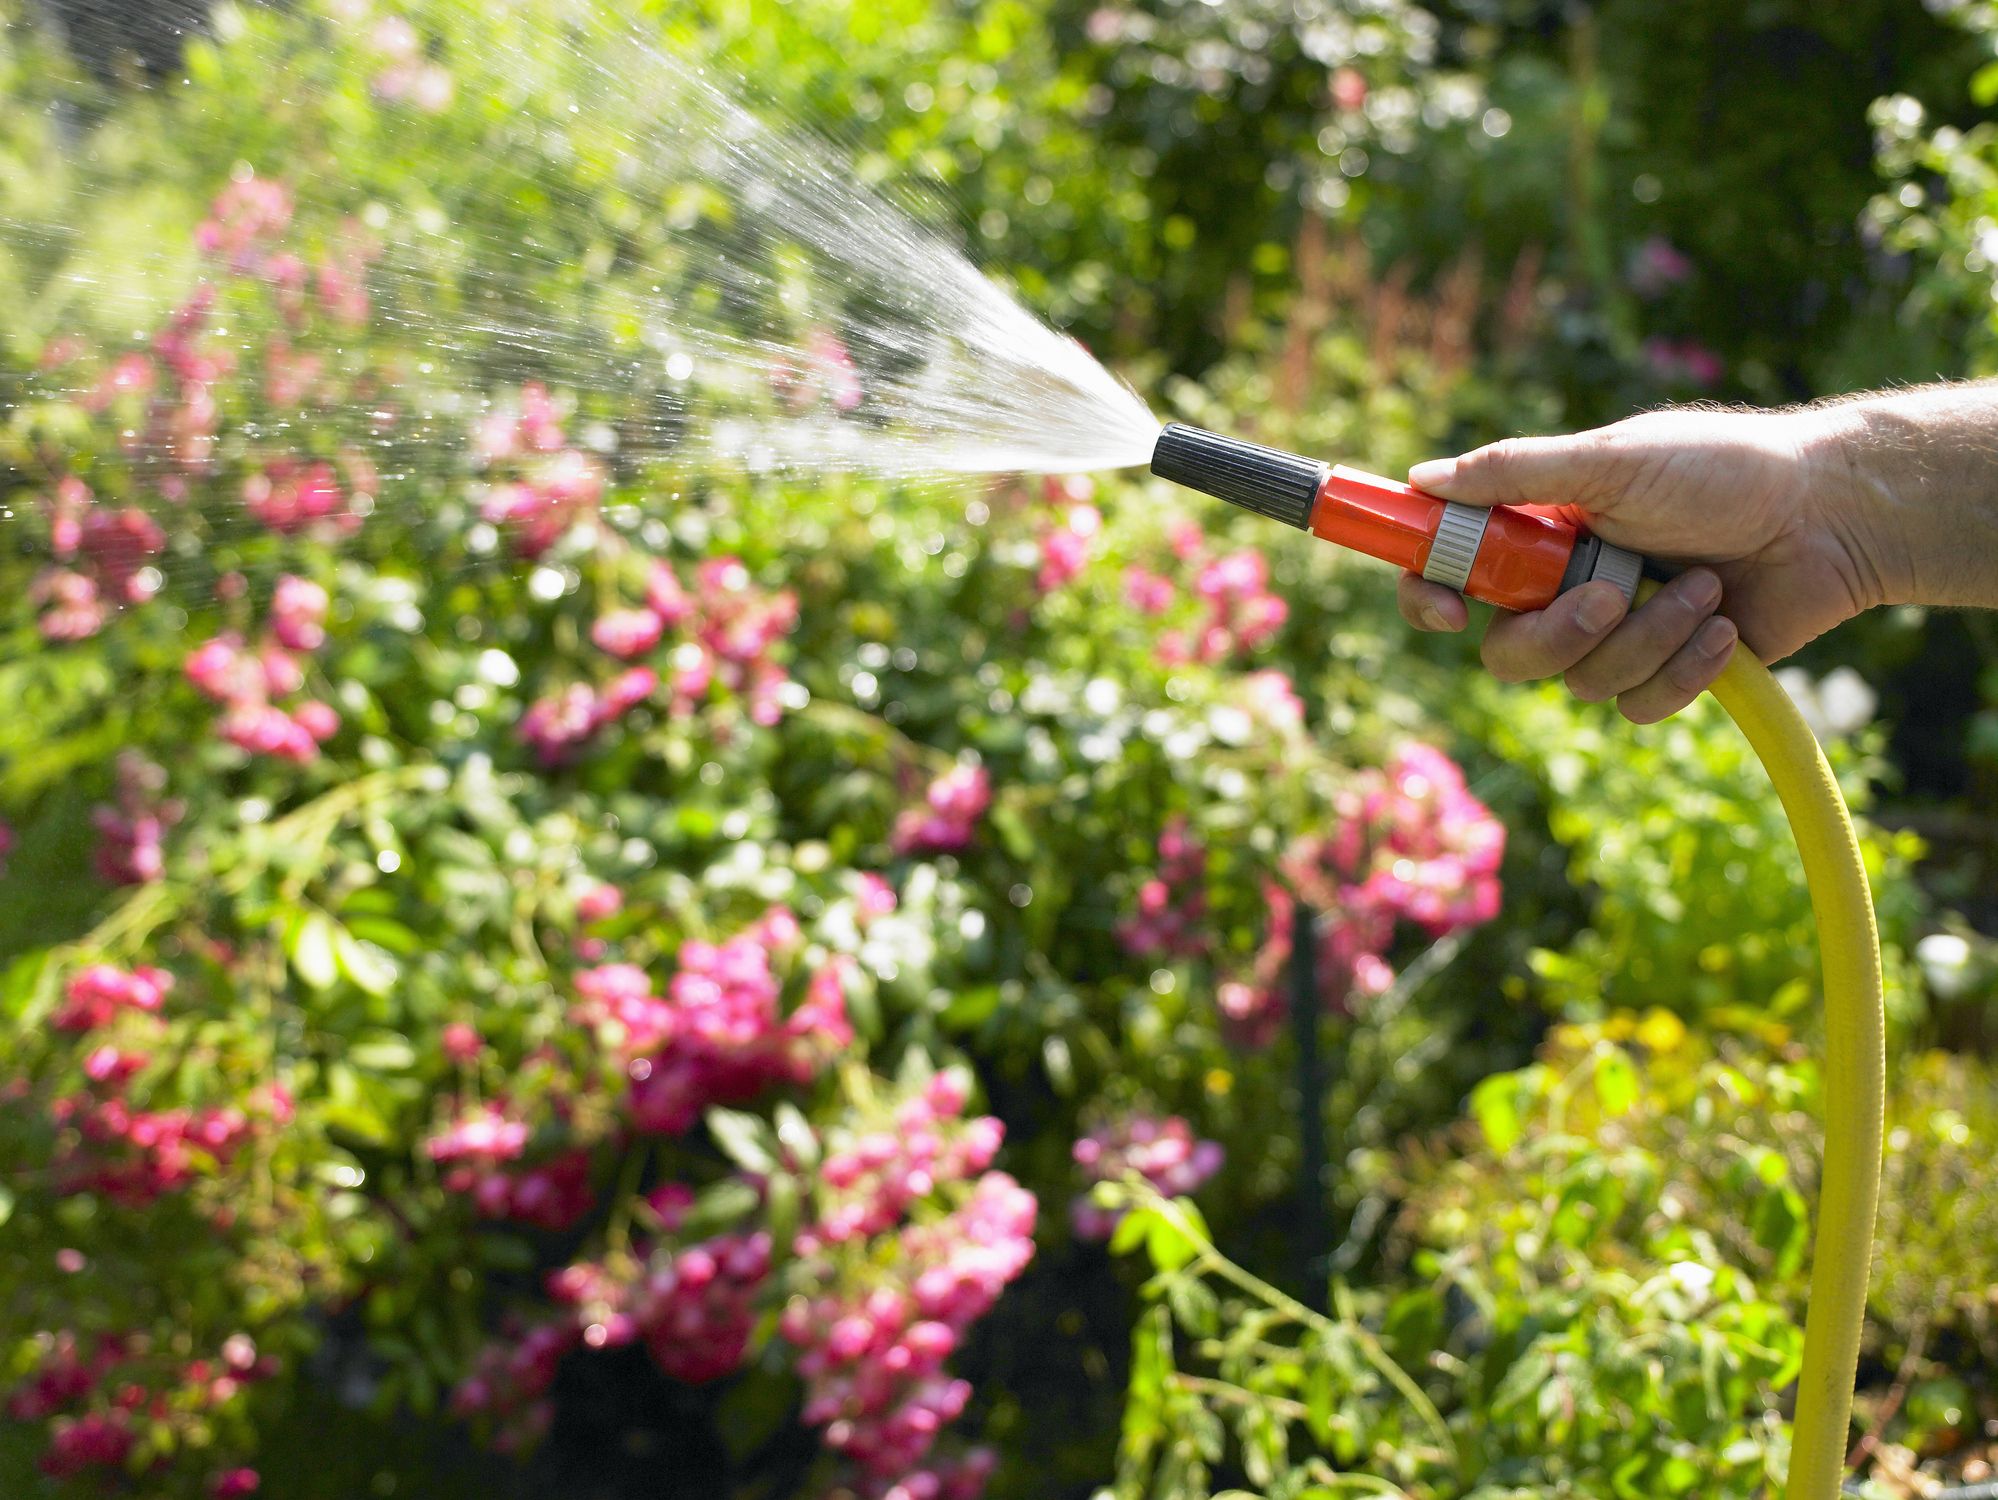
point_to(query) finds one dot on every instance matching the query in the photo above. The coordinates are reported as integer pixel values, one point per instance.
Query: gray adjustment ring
(1620, 566)
(1455, 549)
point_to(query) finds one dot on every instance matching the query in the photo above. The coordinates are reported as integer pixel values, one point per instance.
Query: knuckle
(1500, 659)
(1586, 685)
(1688, 676)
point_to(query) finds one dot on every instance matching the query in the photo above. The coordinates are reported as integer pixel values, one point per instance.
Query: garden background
(532, 965)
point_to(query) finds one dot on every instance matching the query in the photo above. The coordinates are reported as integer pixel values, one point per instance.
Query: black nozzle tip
(1268, 481)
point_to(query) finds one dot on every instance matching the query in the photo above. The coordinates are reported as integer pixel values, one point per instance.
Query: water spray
(1520, 560)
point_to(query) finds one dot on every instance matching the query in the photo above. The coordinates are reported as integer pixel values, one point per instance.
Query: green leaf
(1131, 1231)
(1616, 1083)
(1984, 85)
(311, 951)
(743, 1139)
(382, 1052)
(1494, 1103)
(970, 1007)
(796, 1136)
(1170, 1246)
(371, 969)
(719, 1208)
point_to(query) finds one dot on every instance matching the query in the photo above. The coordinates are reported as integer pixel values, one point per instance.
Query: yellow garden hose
(1522, 560)
(1855, 1066)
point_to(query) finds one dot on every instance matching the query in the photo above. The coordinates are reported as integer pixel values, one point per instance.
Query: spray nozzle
(1504, 556)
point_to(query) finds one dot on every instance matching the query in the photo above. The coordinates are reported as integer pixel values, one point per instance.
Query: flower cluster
(95, 995)
(870, 1180)
(826, 374)
(728, 634)
(872, 1355)
(1683, 362)
(696, 1308)
(288, 494)
(509, 1383)
(736, 628)
(1419, 844)
(554, 728)
(133, 1157)
(1172, 904)
(246, 219)
(131, 826)
(98, 1404)
(107, 1145)
(719, 1035)
(1411, 844)
(247, 682)
(109, 553)
(948, 817)
(1065, 544)
(160, 405)
(1166, 1153)
(479, 1146)
(1656, 266)
(553, 485)
(405, 75)
(1240, 612)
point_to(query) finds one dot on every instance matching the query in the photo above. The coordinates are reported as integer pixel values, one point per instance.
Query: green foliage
(1591, 1290)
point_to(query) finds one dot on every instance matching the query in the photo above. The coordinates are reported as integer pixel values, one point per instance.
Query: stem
(1235, 1395)
(618, 1235)
(1213, 1260)
(1395, 1375)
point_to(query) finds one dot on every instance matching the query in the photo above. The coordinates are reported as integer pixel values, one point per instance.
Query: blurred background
(533, 962)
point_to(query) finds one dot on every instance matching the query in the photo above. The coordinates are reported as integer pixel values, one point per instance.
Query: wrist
(1854, 498)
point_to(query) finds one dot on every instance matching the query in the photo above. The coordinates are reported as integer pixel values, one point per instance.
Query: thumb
(1514, 471)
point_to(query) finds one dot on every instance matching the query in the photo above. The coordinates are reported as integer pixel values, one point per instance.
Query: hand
(1761, 500)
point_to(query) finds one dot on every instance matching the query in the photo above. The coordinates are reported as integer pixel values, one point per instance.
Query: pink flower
(215, 667)
(666, 598)
(71, 610)
(99, 992)
(460, 1042)
(875, 897)
(1149, 593)
(1173, 905)
(1065, 548)
(1683, 362)
(672, 1202)
(298, 613)
(130, 829)
(626, 633)
(947, 820)
(599, 901)
(1273, 702)
(316, 719)
(287, 497)
(1656, 266)
(232, 1484)
(1164, 1152)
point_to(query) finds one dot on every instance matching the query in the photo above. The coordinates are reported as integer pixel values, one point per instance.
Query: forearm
(1909, 481)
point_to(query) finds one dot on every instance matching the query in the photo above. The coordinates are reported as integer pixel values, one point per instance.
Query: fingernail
(1715, 638)
(1432, 473)
(1598, 609)
(1432, 618)
(1700, 589)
